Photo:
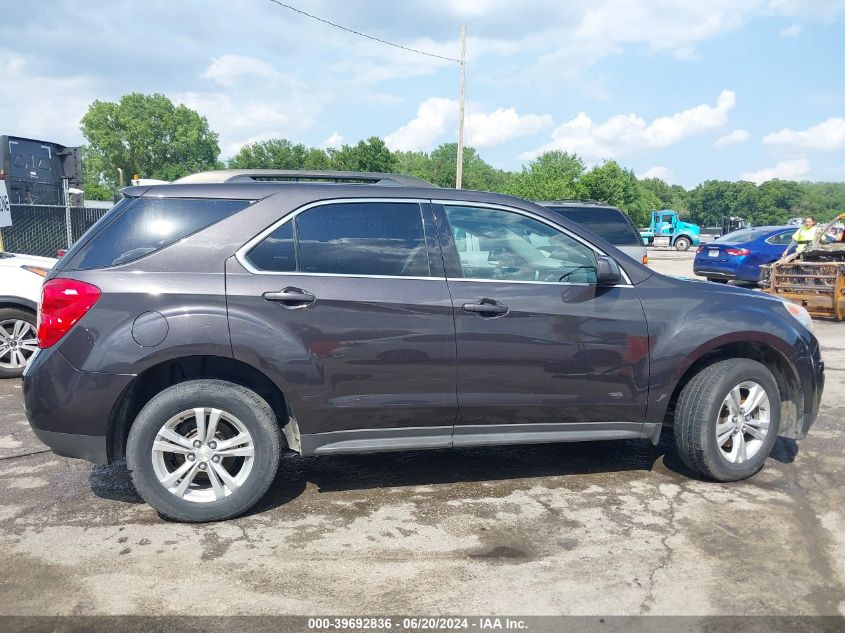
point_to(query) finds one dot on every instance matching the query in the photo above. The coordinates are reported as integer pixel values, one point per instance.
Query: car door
(345, 305)
(544, 354)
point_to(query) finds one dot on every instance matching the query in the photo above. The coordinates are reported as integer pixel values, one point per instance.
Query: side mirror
(608, 272)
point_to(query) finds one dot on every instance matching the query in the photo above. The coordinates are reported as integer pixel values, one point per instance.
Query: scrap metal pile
(815, 277)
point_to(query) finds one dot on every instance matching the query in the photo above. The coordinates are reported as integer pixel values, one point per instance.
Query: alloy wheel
(203, 454)
(18, 342)
(743, 422)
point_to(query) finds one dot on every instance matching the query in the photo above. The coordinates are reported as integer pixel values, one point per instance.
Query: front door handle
(486, 307)
(291, 297)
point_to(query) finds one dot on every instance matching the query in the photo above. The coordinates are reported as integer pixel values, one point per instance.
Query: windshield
(606, 222)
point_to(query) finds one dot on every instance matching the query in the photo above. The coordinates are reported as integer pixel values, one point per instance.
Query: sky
(686, 90)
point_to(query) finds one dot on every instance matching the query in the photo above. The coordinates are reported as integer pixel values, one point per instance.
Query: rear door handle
(291, 297)
(486, 307)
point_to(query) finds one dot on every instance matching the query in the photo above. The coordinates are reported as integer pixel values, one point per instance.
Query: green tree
(317, 158)
(150, 136)
(477, 173)
(550, 176)
(93, 180)
(614, 185)
(369, 155)
(414, 164)
(277, 153)
(777, 202)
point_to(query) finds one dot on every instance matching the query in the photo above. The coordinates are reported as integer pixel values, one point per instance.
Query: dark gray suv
(201, 328)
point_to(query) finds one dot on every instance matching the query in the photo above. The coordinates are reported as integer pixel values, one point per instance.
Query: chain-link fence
(43, 229)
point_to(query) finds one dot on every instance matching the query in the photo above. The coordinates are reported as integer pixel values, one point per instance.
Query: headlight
(800, 314)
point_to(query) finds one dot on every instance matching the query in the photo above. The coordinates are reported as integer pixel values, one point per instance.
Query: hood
(686, 226)
(15, 259)
(703, 286)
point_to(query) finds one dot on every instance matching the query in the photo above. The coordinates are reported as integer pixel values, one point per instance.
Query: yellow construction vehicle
(815, 277)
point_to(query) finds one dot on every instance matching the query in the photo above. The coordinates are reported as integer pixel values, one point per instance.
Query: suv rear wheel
(204, 450)
(727, 419)
(18, 341)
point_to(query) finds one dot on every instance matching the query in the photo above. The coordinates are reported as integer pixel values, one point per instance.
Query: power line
(369, 37)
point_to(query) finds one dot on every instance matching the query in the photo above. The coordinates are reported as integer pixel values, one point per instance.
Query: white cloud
(436, 116)
(422, 132)
(791, 31)
(827, 136)
(501, 125)
(57, 104)
(791, 169)
(732, 138)
(227, 69)
(625, 133)
(334, 141)
(659, 171)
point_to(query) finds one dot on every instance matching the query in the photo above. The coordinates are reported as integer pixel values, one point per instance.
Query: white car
(21, 277)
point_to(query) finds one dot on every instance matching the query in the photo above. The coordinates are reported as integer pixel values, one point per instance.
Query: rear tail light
(60, 252)
(699, 249)
(645, 259)
(737, 251)
(63, 303)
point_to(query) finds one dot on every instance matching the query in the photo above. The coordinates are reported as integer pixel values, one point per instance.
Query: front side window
(503, 245)
(355, 238)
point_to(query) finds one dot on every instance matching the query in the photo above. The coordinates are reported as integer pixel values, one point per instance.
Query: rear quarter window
(148, 225)
(740, 237)
(608, 223)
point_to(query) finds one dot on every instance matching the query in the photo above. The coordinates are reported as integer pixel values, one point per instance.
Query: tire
(716, 280)
(172, 411)
(683, 243)
(18, 341)
(704, 400)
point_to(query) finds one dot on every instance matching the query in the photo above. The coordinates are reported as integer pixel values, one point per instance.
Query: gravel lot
(598, 528)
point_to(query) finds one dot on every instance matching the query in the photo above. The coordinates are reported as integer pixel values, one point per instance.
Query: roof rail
(576, 200)
(300, 175)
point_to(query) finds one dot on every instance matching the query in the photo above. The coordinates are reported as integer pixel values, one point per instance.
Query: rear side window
(610, 224)
(357, 238)
(781, 238)
(148, 225)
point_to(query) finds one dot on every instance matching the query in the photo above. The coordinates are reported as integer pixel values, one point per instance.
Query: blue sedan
(740, 254)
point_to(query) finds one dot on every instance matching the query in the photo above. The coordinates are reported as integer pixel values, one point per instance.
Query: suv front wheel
(204, 450)
(727, 419)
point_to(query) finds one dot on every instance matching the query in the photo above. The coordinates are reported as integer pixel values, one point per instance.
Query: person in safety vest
(803, 236)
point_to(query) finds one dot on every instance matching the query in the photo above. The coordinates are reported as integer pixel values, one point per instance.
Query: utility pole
(459, 169)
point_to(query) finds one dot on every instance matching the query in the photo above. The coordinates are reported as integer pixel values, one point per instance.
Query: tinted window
(363, 238)
(496, 244)
(610, 224)
(277, 252)
(149, 224)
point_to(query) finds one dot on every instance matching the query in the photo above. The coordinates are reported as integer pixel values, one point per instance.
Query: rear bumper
(69, 410)
(93, 448)
(712, 271)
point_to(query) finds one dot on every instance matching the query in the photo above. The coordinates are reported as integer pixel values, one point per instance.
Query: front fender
(688, 320)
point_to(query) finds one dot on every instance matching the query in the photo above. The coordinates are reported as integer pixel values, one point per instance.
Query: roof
(299, 175)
